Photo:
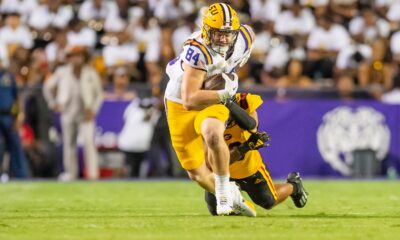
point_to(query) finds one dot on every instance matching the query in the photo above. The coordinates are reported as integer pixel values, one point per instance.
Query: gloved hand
(231, 87)
(246, 56)
(256, 141)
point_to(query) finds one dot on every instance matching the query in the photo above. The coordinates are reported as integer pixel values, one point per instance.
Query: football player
(196, 117)
(246, 165)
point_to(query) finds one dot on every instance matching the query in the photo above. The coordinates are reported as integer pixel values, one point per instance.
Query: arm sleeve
(246, 37)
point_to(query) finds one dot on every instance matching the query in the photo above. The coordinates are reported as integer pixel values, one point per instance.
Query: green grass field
(176, 210)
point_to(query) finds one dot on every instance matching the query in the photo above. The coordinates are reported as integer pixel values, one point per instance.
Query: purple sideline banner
(314, 137)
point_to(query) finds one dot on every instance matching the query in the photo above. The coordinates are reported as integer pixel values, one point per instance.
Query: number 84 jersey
(198, 55)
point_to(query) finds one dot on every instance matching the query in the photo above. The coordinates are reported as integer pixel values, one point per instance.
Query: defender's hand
(258, 140)
(231, 87)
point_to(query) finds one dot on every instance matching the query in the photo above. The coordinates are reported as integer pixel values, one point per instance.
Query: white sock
(221, 184)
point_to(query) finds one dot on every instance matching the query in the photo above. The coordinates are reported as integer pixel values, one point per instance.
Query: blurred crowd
(67, 57)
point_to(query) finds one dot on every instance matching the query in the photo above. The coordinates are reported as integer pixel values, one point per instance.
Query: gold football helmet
(220, 27)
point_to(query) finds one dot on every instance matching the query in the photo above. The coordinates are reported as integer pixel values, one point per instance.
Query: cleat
(299, 195)
(224, 204)
(211, 203)
(241, 206)
(224, 210)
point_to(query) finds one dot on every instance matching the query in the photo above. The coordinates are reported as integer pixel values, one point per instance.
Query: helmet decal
(227, 15)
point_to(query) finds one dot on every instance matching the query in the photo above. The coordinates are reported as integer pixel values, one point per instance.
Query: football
(216, 82)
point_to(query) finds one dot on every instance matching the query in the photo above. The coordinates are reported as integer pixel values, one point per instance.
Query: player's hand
(258, 140)
(246, 56)
(231, 87)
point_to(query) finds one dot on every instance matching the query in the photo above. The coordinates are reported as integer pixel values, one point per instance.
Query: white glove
(231, 87)
(246, 56)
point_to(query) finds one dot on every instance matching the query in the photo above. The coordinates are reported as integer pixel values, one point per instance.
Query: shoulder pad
(247, 35)
(196, 54)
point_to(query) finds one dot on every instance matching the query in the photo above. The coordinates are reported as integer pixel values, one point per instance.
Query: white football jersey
(198, 55)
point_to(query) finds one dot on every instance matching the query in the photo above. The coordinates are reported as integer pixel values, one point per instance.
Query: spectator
(346, 87)
(169, 11)
(15, 35)
(323, 44)
(120, 88)
(96, 10)
(376, 91)
(55, 51)
(20, 65)
(350, 58)
(147, 35)
(393, 96)
(260, 47)
(78, 110)
(369, 27)
(395, 47)
(94, 13)
(50, 13)
(41, 151)
(275, 62)
(261, 43)
(181, 33)
(9, 6)
(11, 119)
(23, 7)
(282, 50)
(343, 11)
(314, 3)
(120, 51)
(79, 35)
(117, 20)
(378, 69)
(140, 117)
(320, 7)
(259, 8)
(294, 76)
(382, 7)
(393, 14)
(297, 21)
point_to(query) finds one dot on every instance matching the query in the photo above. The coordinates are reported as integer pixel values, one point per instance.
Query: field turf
(176, 210)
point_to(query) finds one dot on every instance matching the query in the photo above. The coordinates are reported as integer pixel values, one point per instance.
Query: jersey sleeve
(196, 55)
(249, 102)
(246, 37)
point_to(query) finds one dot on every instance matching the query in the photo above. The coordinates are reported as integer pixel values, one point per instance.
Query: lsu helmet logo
(344, 130)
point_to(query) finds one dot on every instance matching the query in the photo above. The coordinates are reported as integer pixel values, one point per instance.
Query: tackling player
(247, 168)
(195, 116)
